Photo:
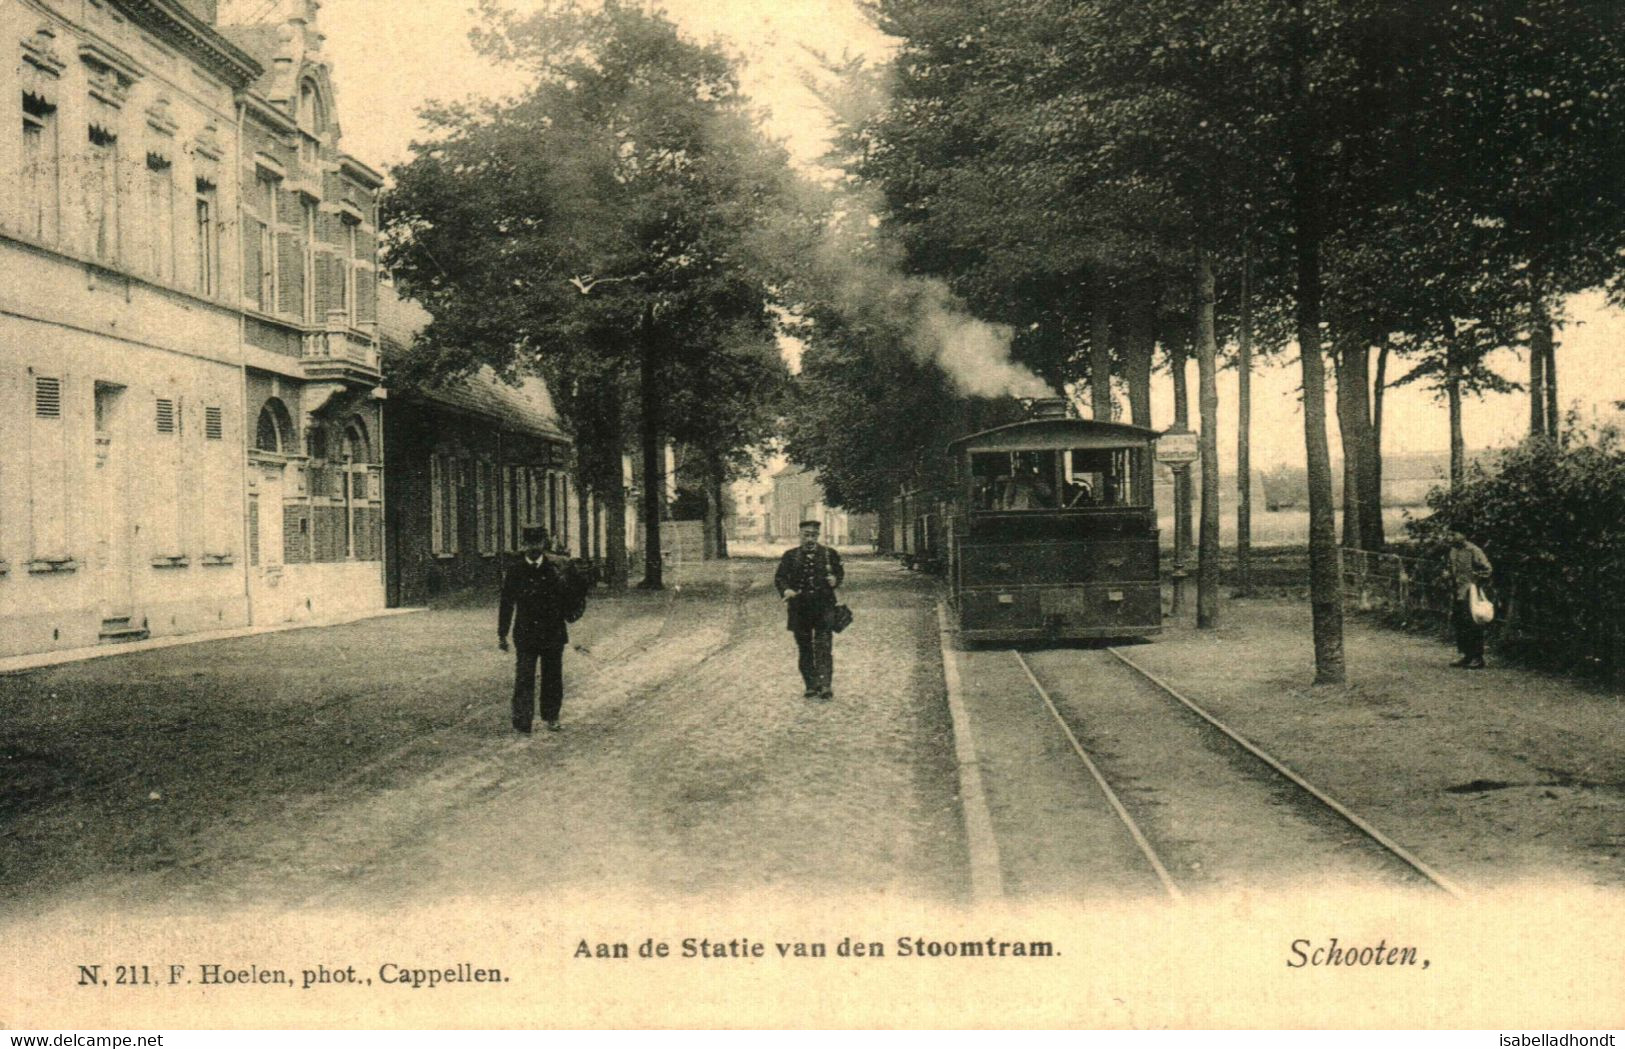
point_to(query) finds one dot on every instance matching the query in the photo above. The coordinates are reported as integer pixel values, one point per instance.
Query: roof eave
(506, 423)
(1082, 425)
(201, 40)
(360, 171)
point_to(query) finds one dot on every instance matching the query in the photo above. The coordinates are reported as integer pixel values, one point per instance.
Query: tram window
(1098, 477)
(985, 474)
(1015, 480)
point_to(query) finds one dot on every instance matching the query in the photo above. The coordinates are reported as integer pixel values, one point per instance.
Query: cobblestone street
(373, 760)
(354, 795)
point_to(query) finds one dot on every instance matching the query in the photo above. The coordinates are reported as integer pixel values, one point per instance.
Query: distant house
(797, 496)
(471, 464)
(1407, 479)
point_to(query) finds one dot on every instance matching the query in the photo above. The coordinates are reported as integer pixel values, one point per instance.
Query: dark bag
(840, 617)
(577, 584)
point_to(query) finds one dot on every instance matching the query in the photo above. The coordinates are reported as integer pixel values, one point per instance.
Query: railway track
(1186, 789)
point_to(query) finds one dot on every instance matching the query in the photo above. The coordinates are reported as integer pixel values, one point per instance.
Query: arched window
(356, 446)
(312, 110)
(275, 427)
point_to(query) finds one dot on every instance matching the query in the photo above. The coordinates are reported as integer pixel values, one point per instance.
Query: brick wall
(415, 432)
(328, 526)
(295, 534)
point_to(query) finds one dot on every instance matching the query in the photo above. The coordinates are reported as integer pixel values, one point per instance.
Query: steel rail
(1106, 789)
(1393, 847)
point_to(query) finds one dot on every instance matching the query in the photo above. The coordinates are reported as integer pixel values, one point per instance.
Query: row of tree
(1414, 184)
(616, 228)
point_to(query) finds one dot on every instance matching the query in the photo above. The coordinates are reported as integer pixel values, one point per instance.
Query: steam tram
(1046, 529)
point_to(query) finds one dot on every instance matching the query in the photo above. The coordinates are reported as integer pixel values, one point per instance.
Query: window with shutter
(290, 260)
(366, 295)
(259, 243)
(166, 415)
(160, 217)
(41, 163)
(254, 530)
(437, 537)
(307, 262)
(102, 196)
(206, 250)
(483, 505)
(50, 489)
(253, 264)
(213, 425)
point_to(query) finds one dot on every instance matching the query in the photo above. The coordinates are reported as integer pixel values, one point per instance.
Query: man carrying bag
(806, 580)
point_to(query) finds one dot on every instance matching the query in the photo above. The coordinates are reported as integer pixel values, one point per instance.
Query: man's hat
(814, 525)
(533, 534)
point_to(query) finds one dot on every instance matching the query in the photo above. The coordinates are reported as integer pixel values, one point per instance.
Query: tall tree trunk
(1178, 351)
(1372, 528)
(1554, 419)
(583, 513)
(612, 498)
(1139, 347)
(1325, 579)
(1539, 335)
(1458, 446)
(716, 531)
(1207, 355)
(1362, 505)
(598, 540)
(886, 524)
(616, 568)
(711, 525)
(1351, 459)
(1100, 351)
(719, 482)
(1244, 432)
(654, 484)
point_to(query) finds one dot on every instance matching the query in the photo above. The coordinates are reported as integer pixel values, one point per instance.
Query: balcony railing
(338, 343)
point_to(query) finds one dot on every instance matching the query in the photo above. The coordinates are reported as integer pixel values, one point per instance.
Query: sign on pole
(1176, 449)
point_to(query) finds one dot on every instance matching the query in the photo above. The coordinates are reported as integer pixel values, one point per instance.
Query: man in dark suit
(538, 594)
(806, 580)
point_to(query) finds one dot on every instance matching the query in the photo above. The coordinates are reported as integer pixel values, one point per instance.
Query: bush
(1551, 518)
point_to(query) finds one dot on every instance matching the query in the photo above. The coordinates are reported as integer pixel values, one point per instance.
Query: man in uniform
(806, 580)
(537, 596)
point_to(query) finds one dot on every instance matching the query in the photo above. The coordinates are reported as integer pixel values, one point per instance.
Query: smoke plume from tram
(867, 275)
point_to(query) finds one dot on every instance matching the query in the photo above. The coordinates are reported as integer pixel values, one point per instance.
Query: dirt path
(716, 778)
(689, 764)
(1496, 776)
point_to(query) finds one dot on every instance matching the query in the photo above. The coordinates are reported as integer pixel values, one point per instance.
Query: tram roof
(1052, 434)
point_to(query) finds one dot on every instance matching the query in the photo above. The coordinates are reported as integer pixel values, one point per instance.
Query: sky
(392, 56)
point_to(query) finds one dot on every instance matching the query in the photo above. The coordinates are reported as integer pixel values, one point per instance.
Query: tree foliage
(1551, 518)
(604, 228)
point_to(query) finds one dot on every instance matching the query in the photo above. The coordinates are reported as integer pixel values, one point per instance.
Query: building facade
(188, 432)
(471, 463)
(307, 222)
(797, 496)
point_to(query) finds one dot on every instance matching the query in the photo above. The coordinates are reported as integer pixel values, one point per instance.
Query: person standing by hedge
(1468, 568)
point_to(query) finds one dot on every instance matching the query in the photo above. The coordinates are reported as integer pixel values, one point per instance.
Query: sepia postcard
(338, 692)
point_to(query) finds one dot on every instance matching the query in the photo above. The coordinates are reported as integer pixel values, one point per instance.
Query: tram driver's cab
(1053, 479)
